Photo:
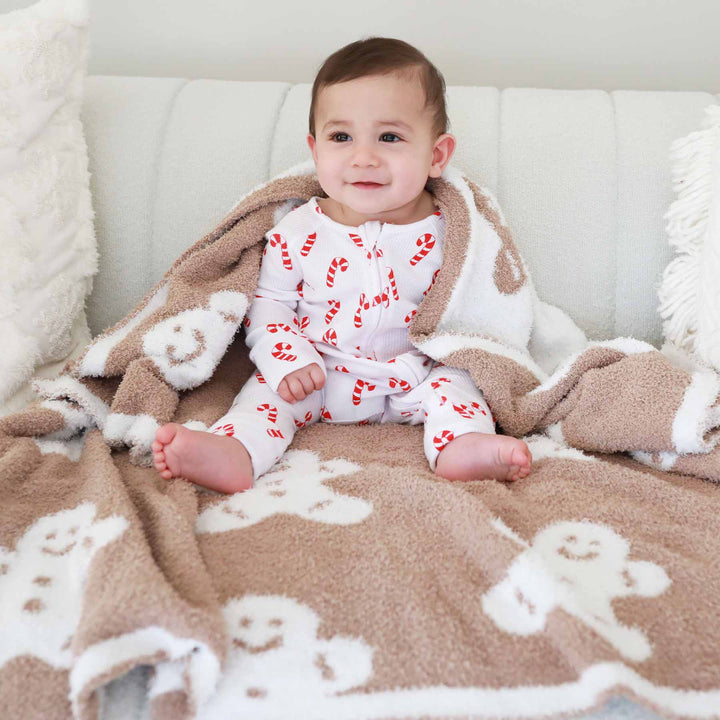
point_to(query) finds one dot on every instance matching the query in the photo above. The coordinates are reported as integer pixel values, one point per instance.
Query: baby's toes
(517, 459)
(523, 457)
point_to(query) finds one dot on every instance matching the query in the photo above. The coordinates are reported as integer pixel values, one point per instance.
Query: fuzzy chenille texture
(689, 299)
(47, 239)
(351, 581)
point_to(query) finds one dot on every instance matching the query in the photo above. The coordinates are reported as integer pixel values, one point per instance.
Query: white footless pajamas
(343, 297)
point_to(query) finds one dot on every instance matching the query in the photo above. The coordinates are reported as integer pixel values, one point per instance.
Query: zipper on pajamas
(378, 281)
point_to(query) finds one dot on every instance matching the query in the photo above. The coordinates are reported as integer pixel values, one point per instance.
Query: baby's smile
(367, 185)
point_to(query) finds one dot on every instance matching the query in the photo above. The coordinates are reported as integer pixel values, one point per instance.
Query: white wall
(606, 44)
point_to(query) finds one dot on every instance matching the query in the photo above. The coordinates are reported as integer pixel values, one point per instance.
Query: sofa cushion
(582, 176)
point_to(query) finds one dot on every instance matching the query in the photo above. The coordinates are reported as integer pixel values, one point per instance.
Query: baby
(341, 279)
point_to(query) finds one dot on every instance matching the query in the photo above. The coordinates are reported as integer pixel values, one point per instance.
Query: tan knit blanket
(351, 582)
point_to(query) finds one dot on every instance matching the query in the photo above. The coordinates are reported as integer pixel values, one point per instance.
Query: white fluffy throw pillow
(690, 289)
(48, 253)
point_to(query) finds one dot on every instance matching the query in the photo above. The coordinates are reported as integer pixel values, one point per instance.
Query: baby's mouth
(367, 185)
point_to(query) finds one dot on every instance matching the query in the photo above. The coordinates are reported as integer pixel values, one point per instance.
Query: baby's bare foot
(479, 456)
(217, 462)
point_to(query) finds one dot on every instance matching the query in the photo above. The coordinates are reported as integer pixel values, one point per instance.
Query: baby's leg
(460, 439)
(240, 446)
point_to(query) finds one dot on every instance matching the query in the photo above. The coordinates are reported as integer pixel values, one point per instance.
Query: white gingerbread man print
(579, 567)
(187, 347)
(277, 666)
(41, 582)
(295, 486)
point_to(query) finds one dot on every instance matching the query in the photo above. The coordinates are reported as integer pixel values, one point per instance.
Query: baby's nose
(365, 156)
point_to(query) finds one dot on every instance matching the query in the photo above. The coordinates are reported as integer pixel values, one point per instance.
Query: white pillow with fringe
(690, 289)
(48, 253)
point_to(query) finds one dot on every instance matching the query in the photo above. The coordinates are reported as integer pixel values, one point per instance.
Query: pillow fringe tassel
(683, 296)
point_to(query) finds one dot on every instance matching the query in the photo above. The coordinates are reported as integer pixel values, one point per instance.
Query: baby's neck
(418, 209)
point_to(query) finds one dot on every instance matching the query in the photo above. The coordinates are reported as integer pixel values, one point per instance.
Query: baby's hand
(299, 384)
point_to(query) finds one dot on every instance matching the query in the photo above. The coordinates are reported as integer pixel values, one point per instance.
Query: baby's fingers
(307, 383)
(296, 389)
(317, 376)
(284, 392)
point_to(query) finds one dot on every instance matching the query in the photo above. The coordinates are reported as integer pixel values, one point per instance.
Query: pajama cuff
(281, 356)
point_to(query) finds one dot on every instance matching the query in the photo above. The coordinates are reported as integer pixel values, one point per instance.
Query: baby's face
(374, 146)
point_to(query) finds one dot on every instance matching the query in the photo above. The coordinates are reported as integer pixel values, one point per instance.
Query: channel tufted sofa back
(583, 177)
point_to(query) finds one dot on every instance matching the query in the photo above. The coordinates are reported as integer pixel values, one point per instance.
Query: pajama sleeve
(277, 345)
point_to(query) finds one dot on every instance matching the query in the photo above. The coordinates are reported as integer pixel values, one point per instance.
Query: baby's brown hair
(383, 56)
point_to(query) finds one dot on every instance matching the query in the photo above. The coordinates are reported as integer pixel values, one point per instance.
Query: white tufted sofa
(583, 177)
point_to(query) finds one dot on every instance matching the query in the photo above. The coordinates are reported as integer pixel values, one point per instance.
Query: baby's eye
(339, 137)
(390, 137)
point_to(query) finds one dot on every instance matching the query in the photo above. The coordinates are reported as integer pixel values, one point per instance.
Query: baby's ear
(311, 145)
(442, 152)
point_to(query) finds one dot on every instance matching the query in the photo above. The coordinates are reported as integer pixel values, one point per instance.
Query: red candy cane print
(363, 304)
(301, 423)
(228, 430)
(477, 407)
(410, 316)
(325, 413)
(330, 337)
(277, 239)
(271, 411)
(442, 439)
(463, 410)
(341, 368)
(360, 385)
(272, 432)
(358, 241)
(307, 245)
(432, 282)
(277, 327)
(393, 286)
(333, 311)
(299, 289)
(280, 351)
(378, 252)
(404, 384)
(382, 299)
(260, 379)
(426, 243)
(338, 263)
(246, 322)
(301, 324)
(443, 400)
(435, 384)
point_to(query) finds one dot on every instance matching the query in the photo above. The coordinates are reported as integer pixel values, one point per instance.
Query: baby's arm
(277, 345)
